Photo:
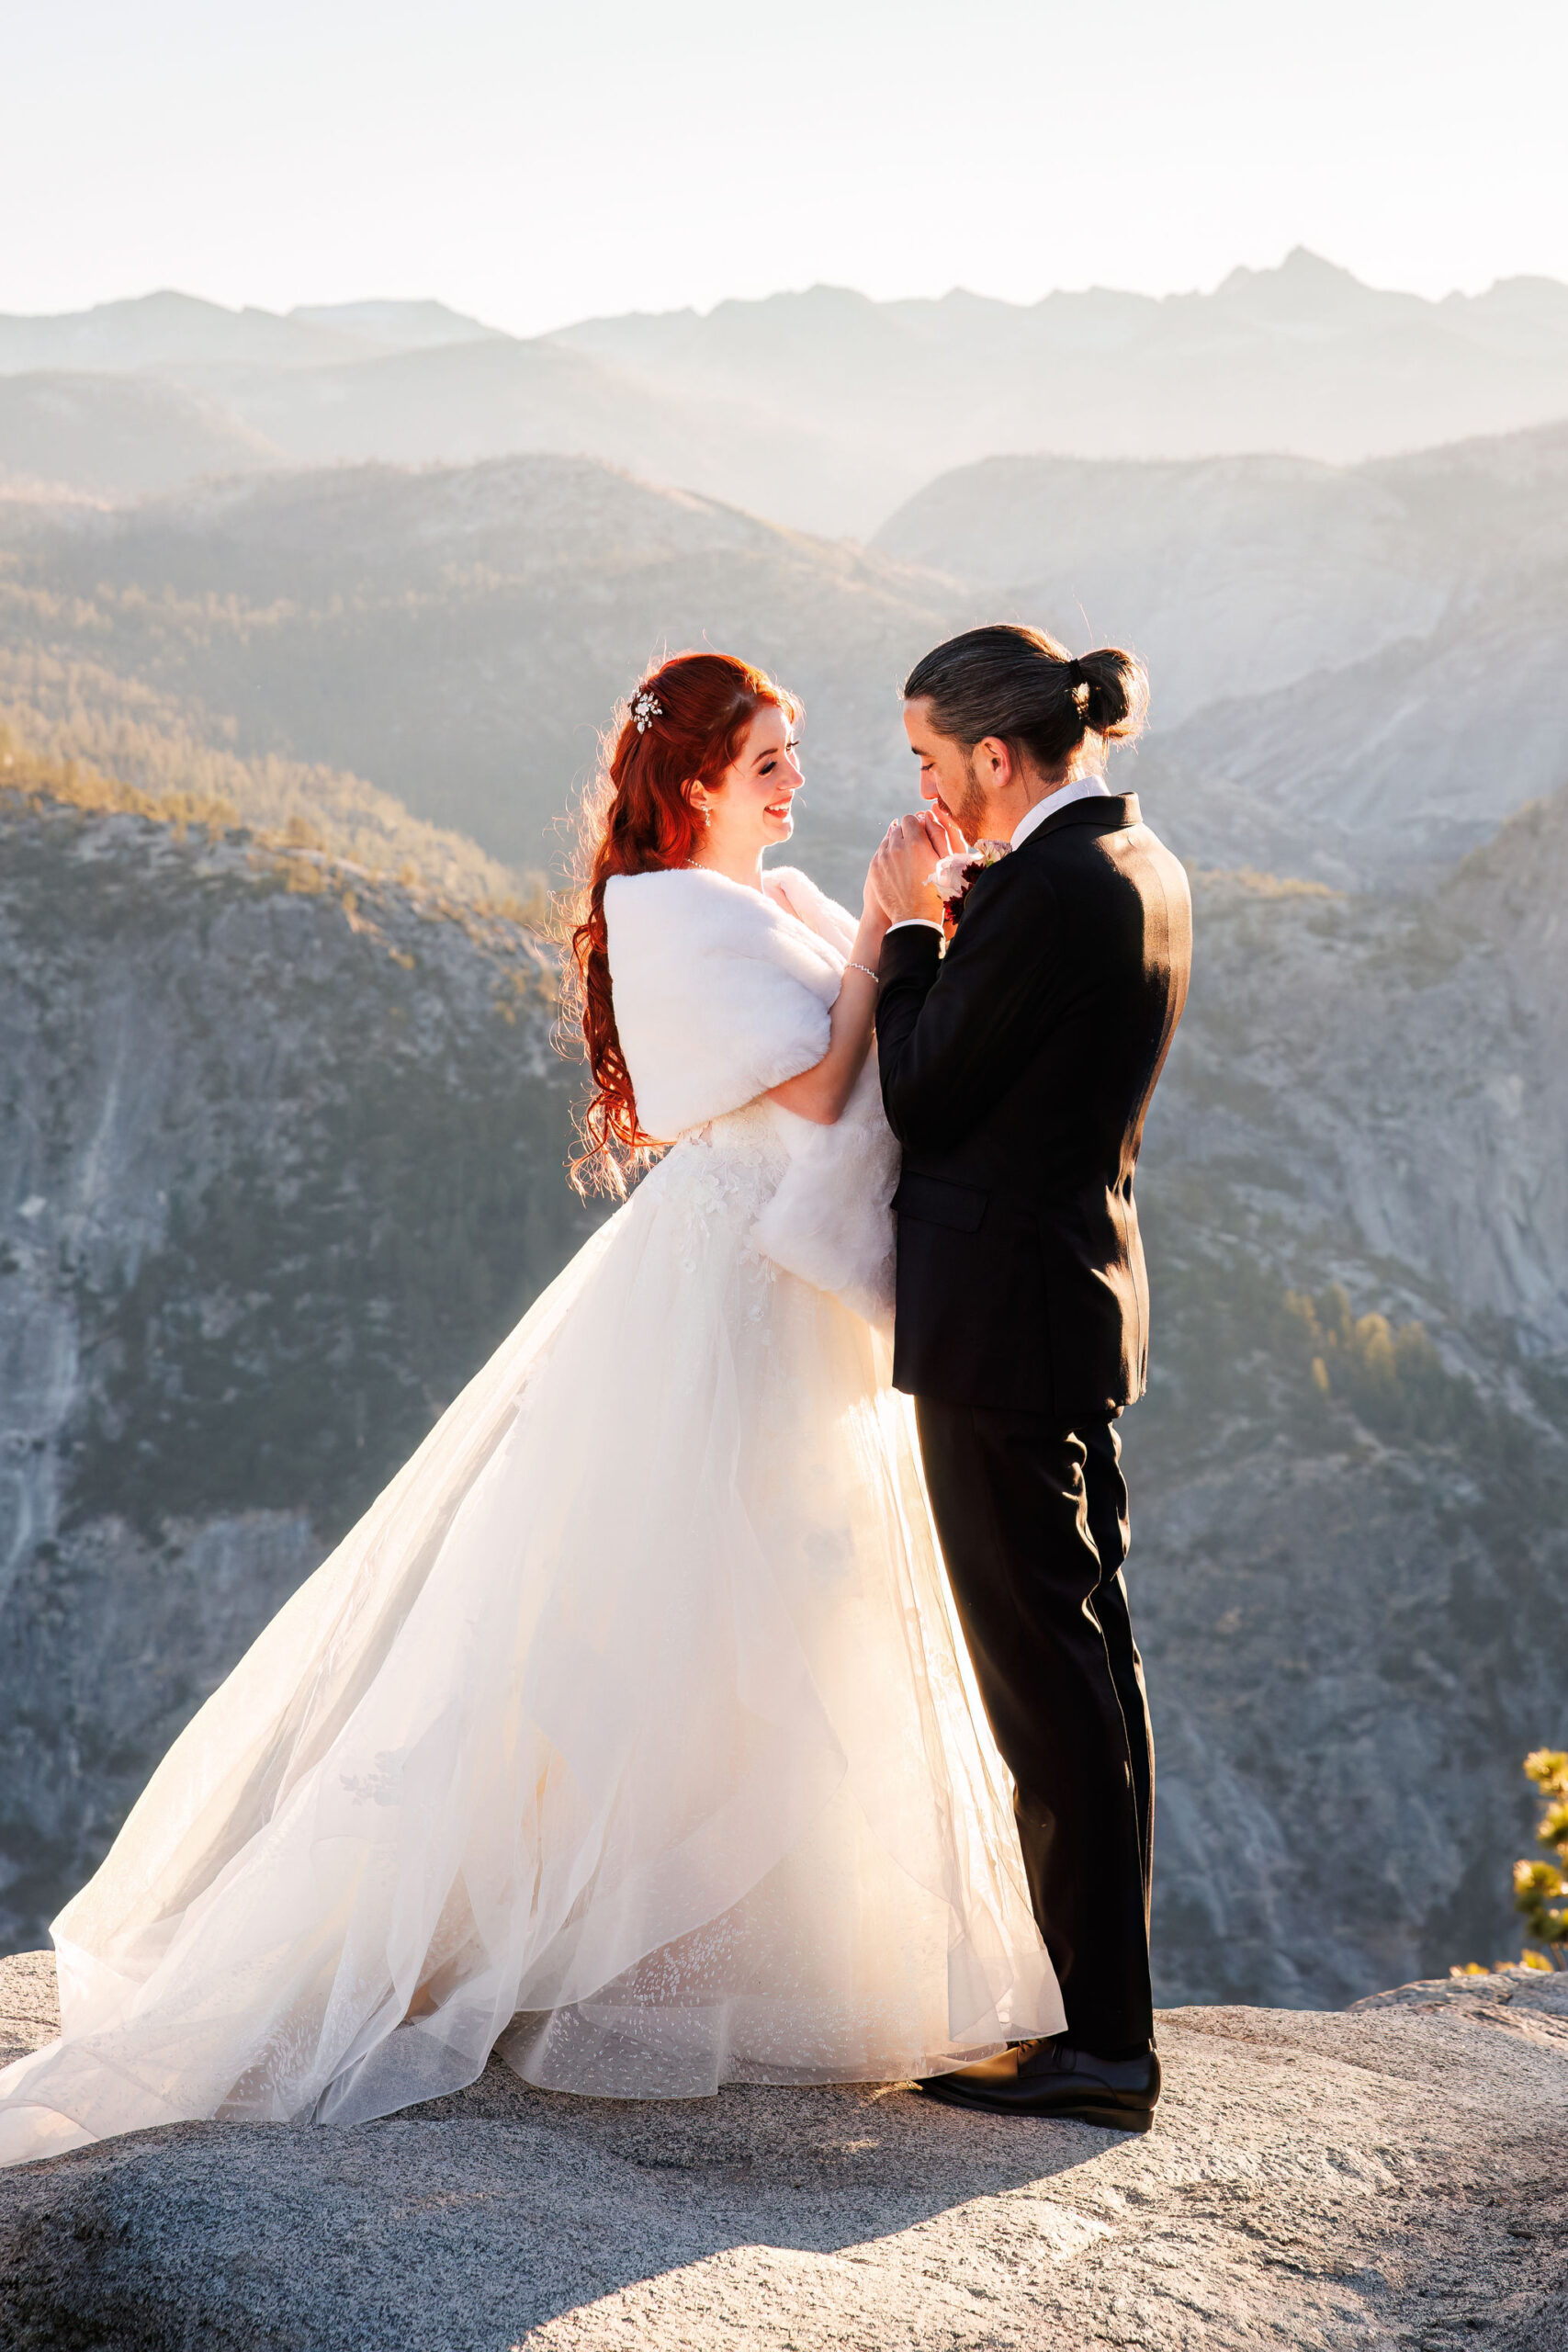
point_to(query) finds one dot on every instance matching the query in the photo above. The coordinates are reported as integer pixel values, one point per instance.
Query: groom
(1017, 1070)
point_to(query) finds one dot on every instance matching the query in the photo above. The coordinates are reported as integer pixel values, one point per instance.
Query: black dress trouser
(1034, 1528)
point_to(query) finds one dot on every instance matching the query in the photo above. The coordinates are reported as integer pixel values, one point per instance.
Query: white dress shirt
(1091, 785)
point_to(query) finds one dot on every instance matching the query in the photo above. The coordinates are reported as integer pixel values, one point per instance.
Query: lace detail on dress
(714, 1182)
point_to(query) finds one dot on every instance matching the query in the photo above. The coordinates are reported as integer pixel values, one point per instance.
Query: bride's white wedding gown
(631, 1729)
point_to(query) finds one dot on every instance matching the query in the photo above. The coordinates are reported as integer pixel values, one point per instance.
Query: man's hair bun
(1022, 687)
(1117, 696)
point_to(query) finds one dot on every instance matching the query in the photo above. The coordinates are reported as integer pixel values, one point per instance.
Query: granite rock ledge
(1394, 2175)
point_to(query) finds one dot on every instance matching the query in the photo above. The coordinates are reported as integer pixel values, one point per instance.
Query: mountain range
(459, 636)
(1355, 668)
(106, 437)
(1356, 672)
(168, 331)
(825, 410)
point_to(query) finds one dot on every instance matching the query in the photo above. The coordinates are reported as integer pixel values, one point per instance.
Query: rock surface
(1397, 2175)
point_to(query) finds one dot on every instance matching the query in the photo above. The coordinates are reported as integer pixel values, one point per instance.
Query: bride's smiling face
(750, 808)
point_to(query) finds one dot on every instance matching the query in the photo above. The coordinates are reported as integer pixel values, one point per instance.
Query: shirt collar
(1091, 785)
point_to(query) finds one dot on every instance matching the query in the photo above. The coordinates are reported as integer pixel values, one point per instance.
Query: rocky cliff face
(281, 1156)
(1352, 1467)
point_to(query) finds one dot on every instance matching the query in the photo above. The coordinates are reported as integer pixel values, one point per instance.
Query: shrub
(1539, 1888)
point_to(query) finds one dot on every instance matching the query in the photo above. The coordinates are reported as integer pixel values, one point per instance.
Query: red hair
(639, 819)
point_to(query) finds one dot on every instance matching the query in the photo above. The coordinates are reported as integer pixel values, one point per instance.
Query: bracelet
(866, 969)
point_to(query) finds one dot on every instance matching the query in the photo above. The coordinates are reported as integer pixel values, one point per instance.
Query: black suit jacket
(1017, 1070)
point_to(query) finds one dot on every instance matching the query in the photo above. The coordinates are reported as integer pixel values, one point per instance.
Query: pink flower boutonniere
(954, 875)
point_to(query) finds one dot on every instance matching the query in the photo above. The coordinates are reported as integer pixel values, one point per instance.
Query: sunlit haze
(535, 164)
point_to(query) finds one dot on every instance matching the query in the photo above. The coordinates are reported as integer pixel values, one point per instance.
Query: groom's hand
(901, 871)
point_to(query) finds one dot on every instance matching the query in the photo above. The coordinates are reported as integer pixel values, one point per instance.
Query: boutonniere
(954, 876)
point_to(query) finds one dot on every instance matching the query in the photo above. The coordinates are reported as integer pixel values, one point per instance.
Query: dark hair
(1022, 687)
(682, 725)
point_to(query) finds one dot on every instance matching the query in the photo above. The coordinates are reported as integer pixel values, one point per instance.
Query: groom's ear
(993, 762)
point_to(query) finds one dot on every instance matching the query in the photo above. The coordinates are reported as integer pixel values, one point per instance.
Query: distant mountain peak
(166, 329)
(1302, 262)
(1304, 286)
(1300, 265)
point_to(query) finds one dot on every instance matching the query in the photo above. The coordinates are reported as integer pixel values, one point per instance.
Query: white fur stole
(721, 993)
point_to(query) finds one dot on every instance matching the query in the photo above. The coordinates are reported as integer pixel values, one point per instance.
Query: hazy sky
(540, 163)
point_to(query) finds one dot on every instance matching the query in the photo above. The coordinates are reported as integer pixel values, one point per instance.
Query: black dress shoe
(1052, 2078)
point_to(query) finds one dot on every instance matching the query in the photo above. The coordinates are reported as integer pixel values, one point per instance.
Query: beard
(969, 814)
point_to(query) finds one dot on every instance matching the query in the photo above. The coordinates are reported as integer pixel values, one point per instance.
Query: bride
(630, 1734)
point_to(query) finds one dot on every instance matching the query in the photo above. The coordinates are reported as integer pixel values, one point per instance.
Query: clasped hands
(898, 885)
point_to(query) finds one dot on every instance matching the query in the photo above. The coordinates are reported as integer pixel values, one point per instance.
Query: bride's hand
(901, 871)
(943, 832)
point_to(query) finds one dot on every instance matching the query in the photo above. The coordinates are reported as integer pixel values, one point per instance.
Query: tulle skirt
(631, 1731)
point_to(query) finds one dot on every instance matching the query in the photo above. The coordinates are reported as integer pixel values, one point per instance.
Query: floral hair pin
(645, 710)
(954, 876)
